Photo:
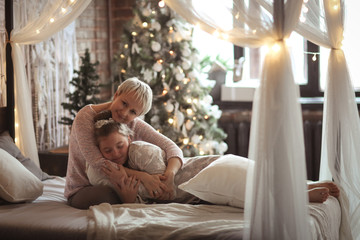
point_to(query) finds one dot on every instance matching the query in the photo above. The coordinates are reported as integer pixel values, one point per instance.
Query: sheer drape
(52, 65)
(55, 16)
(2, 57)
(276, 207)
(324, 25)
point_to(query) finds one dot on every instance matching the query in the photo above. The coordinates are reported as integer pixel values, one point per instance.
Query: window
(351, 46)
(309, 60)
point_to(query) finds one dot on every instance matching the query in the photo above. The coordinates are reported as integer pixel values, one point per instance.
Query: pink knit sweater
(82, 147)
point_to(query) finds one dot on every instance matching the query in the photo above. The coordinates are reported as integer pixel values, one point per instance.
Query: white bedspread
(184, 221)
(164, 221)
(325, 219)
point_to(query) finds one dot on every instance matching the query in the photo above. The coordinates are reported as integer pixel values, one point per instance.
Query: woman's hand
(170, 192)
(153, 185)
(174, 164)
(126, 188)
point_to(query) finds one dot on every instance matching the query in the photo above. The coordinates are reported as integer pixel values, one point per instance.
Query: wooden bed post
(10, 91)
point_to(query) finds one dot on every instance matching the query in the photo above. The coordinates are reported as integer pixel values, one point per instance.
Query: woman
(132, 99)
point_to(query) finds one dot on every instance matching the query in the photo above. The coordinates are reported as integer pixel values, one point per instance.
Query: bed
(49, 217)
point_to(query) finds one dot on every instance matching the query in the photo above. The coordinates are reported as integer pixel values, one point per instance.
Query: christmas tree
(85, 82)
(156, 47)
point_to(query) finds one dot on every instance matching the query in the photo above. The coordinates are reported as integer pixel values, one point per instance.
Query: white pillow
(221, 182)
(17, 184)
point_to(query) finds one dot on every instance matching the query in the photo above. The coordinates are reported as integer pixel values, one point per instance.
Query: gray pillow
(7, 143)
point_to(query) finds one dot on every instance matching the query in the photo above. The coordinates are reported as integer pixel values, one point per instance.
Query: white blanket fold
(164, 221)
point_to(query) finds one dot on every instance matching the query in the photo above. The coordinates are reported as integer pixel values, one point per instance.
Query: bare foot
(333, 188)
(318, 194)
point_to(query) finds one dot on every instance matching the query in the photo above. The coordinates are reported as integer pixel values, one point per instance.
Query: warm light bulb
(276, 47)
(164, 92)
(216, 34)
(161, 3)
(206, 117)
(145, 24)
(63, 10)
(122, 56)
(52, 20)
(189, 111)
(314, 58)
(302, 19)
(305, 9)
(171, 121)
(134, 33)
(186, 80)
(177, 88)
(186, 141)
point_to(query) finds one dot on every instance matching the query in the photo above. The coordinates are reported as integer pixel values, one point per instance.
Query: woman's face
(124, 108)
(114, 147)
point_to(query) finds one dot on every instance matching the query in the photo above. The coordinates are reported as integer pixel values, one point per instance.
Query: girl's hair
(105, 126)
(141, 91)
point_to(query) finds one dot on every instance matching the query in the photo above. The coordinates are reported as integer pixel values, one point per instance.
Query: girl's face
(124, 108)
(114, 147)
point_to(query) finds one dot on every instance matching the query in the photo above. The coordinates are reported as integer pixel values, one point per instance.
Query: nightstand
(54, 161)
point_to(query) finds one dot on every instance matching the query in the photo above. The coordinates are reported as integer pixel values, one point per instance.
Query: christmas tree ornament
(157, 67)
(155, 46)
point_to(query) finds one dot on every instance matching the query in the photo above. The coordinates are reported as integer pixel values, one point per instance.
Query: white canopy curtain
(276, 204)
(323, 24)
(55, 16)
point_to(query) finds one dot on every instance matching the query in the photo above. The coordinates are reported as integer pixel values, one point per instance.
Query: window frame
(308, 91)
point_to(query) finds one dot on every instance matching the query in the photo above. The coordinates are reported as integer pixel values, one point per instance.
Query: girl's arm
(152, 183)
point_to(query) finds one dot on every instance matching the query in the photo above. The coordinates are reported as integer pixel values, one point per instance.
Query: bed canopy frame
(10, 100)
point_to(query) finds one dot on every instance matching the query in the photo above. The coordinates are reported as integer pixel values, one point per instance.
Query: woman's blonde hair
(141, 90)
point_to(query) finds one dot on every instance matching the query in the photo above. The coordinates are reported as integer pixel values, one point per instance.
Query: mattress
(49, 217)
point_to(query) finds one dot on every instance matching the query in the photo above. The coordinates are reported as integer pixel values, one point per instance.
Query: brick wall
(99, 29)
